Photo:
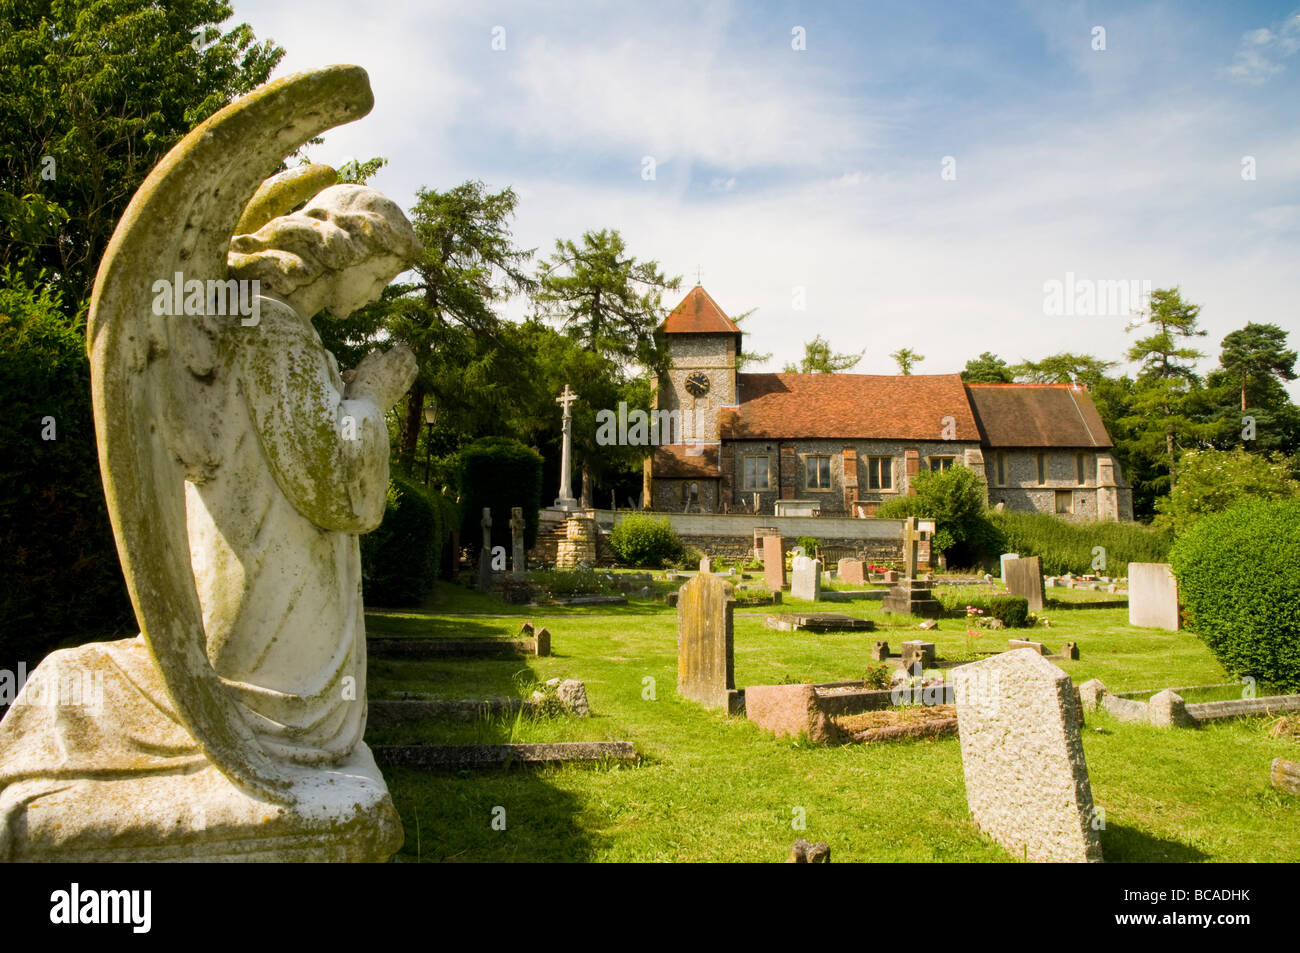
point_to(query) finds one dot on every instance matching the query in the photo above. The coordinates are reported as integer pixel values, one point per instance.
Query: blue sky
(820, 169)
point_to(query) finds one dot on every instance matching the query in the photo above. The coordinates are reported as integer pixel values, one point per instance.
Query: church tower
(704, 344)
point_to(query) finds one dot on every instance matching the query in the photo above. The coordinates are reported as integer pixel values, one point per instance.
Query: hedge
(1071, 546)
(1238, 577)
(400, 560)
(499, 473)
(640, 539)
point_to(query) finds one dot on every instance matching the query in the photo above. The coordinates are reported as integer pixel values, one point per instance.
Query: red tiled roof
(698, 314)
(686, 461)
(1037, 415)
(849, 406)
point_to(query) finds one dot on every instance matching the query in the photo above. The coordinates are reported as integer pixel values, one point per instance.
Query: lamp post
(430, 416)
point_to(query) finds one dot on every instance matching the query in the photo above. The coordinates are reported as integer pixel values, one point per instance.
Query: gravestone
(912, 596)
(851, 571)
(706, 564)
(485, 554)
(880, 651)
(915, 650)
(518, 560)
(1152, 596)
(705, 670)
(1024, 577)
(1026, 778)
(774, 562)
(1002, 562)
(806, 579)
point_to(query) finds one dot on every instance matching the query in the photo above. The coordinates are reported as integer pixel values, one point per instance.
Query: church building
(842, 444)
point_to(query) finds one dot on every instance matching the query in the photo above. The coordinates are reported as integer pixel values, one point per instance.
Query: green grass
(711, 788)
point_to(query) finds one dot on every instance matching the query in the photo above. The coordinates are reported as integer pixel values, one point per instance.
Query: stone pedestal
(912, 597)
(579, 543)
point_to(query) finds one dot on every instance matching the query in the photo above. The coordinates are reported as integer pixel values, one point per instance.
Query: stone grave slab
(1026, 778)
(705, 667)
(852, 571)
(818, 622)
(774, 562)
(1152, 596)
(1024, 578)
(806, 579)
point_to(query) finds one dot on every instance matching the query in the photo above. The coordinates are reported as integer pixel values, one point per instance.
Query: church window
(756, 473)
(818, 473)
(880, 473)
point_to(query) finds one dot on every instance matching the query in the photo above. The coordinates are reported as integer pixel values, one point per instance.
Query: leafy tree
(1213, 480)
(96, 93)
(446, 316)
(1256, 355)
(907, 358)
(746, 357)
(988, 368)
(956, 499)
(1165, 392)
(610, 304)
(1063, 368)
(818, 358)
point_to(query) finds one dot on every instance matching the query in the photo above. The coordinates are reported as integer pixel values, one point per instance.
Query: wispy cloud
(1260, 51)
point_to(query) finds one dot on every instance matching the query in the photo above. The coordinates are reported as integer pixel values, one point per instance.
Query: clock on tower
(698, 384)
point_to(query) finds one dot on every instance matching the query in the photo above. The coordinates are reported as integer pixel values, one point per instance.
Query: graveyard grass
(712, 788)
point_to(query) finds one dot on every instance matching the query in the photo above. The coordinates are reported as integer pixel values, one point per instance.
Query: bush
(639, 539)
(499, 473)
(809, 546)
(1068, 546)
(401, 559)
(1013, 611)
(1210, 481)
(955, 500)
(1239, 578)
(60, 580)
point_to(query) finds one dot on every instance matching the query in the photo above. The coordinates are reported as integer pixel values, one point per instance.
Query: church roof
(698, 314)
(1037, 415)
(850, 406)
(686, 461)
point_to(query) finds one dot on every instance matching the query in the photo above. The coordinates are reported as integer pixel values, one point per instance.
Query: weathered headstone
(1024, 577)
(706, 564)
(518, 560)
(914, 651)
(1152, 596)
(1026, 778)
(851, 571)
(806, 579)
(880, 651)
(485, 554)
(705, 671)
(774, 562)
(1003, 560)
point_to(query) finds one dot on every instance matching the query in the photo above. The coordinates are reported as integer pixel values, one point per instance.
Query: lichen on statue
(240, 729)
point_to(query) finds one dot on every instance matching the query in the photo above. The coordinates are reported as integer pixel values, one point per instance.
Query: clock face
(698, 384)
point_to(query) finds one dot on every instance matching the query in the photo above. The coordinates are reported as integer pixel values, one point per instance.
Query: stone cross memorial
(1026, 778)
(912, 596)
(565, 500)
(518, 558)
(1152, 596)
(705, 672)
(239, 468)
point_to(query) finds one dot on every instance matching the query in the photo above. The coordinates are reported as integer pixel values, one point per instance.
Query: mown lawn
(711, 788)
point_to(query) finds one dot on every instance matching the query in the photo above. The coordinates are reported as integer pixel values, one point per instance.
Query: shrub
(1013, 611)
(809, 546)
(1210, 481)
(639, 539)
(499, 473)
(955, 500)
(1069, 546)
(1239, 578)
(400, 560)
(60, 580)
(878, 676)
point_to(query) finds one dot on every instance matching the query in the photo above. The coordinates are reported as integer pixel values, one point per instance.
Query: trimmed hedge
(1012, 610)
(401, 559)
(1067, 546)
(639, 539)
(1238, 577)
(500, 473)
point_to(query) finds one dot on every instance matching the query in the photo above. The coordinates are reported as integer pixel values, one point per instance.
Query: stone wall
(731, 536)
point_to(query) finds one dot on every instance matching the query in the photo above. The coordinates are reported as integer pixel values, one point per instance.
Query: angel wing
(149, 374)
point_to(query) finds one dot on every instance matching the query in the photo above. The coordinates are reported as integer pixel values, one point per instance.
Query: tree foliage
(818, 358)
(1210, 481)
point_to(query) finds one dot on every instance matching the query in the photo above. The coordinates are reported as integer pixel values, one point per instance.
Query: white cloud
(1259, 51)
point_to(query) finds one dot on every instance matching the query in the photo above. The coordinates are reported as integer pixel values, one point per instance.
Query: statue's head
(336, 254)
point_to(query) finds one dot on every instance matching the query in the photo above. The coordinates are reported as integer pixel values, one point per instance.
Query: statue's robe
(276, 563)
